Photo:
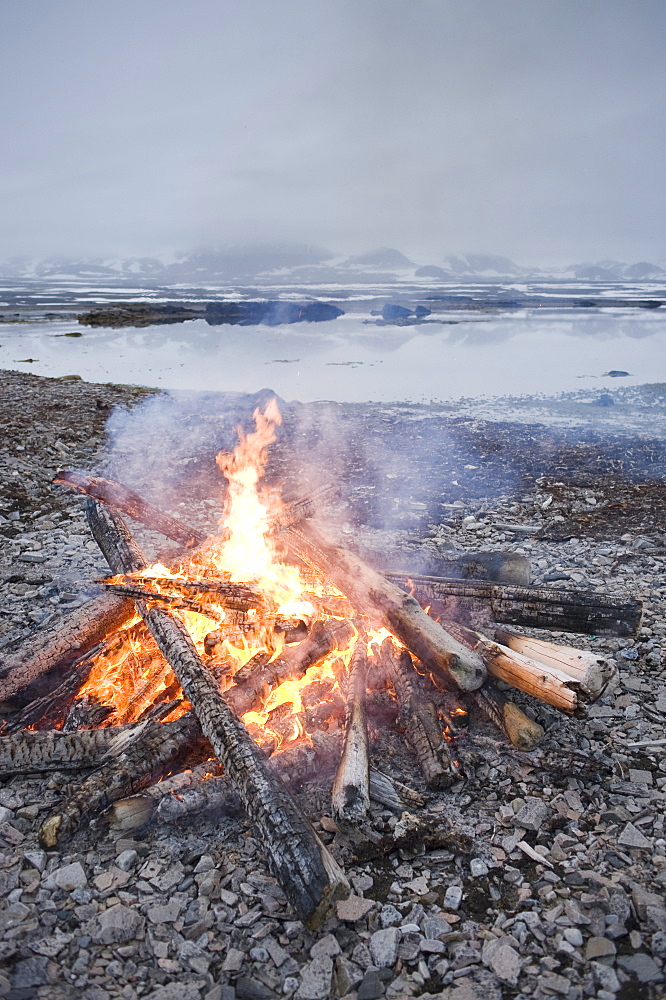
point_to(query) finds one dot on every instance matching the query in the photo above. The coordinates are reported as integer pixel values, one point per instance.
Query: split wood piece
(387, 791)
(255, 681)
(122, 498)
(50, 709)
(307, 873)
(159, 748)
(537, 607)
(541, 681)
(59, 643)
(591, 670)
(135, 811)
(393, 794)
(386, 604)
(418, 716)
(54, 750)
(523, 732)
(350, 798)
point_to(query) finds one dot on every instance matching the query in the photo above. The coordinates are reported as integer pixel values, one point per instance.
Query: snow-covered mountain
(271, 264)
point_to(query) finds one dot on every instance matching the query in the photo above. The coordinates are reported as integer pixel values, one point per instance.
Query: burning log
(121, 498)
(51, 708)
(255, 681)
(590, 670)
(537, 607)
(138, 593)
(386, 604)
(548, 683)
(351, 799)
(234, 596)
(307, 873)
(85, 713)
(523, 732)
(156, 749)
(418, 716)
(59, 643)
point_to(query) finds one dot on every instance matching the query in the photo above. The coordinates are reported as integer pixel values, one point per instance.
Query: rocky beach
(538, 874)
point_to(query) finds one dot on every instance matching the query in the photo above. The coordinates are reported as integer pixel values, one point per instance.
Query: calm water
(351, 359)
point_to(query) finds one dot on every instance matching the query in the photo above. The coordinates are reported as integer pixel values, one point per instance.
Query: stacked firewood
(433, 667)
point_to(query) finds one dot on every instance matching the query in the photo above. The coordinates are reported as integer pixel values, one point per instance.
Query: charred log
(49, 711)
(351, 799)
(386, 604)
(418, 717)
(58, 750)
(536, 607)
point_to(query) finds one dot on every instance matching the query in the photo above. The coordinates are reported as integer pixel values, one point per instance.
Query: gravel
(446, 901)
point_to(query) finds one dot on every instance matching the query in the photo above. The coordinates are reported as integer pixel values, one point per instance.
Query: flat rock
(353, 908)
(532, 815)
(640, 965)
(165, 913)
(233, 961)
(176, 991)
(326, 945)
(69, 877)
(117, 925)
(31, 972)
(599, 947)
(384, 947)
(631, 836)
(505, 962)
(316, 979)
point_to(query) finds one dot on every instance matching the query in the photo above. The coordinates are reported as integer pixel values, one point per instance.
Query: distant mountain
(264, 265)
(384, 257)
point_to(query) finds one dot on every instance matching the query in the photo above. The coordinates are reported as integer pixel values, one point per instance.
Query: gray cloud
(524, 127)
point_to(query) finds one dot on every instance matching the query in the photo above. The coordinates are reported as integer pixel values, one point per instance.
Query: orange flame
(244, 551)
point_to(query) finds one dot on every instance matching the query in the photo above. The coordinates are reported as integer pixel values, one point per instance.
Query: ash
(446, 901)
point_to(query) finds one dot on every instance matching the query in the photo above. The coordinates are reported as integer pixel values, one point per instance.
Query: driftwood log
(308, 875)
(544, 681)
(418, 717)
(123, 499)
(536, 607)
(386, 604)
(351, 796)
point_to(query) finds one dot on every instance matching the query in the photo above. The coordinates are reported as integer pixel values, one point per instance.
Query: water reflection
(352, 360)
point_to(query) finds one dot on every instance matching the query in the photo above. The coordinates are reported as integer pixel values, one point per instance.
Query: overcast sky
(531, 128)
